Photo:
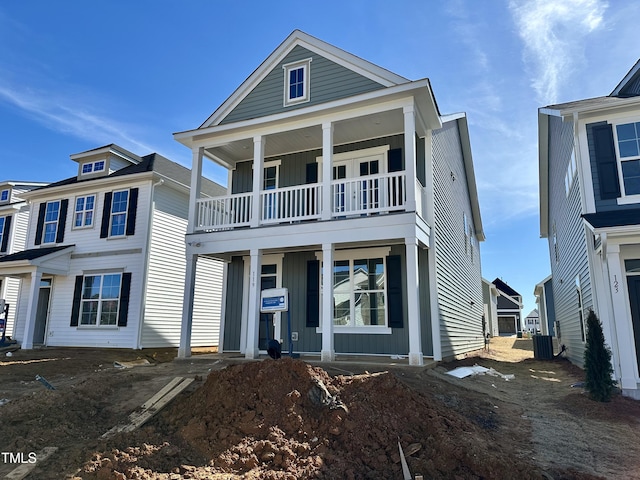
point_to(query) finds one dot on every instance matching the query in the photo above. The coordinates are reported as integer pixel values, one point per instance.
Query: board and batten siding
(328, 81)
(233, 305)
(571, 237)
(459, 283)
(165, 279)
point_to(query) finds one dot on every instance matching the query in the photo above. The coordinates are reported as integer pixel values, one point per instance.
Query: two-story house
(350, 189)
(509, 309)
(590, 212)
(14, 220)
(104, 262)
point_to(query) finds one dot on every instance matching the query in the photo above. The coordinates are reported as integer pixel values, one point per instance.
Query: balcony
(351, 197)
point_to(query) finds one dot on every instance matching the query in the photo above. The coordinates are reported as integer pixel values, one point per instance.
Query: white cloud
(553, 33)
(62, 115)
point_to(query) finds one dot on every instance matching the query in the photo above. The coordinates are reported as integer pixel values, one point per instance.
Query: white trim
(84, 211)
(306, 82)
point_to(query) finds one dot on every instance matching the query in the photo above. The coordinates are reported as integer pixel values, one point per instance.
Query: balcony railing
(349, 197)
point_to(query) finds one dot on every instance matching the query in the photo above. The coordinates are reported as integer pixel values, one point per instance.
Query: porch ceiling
(310, 138)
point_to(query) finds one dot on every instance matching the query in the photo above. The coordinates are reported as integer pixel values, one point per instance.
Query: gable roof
(503, 287)
(299, 38)
(629, 79)
(33, 253)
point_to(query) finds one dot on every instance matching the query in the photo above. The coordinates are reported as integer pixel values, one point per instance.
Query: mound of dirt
(286, 419)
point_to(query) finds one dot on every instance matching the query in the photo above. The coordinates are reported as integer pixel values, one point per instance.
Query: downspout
(145, 265)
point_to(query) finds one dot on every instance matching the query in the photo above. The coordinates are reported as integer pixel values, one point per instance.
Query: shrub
(597, 362)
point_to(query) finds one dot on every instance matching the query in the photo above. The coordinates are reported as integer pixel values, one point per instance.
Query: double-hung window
(119, 205)
(627, 136)
(4, 234)
(51, 216)
(84, 211)
(359, 292)
(100, 299)
(296, 82)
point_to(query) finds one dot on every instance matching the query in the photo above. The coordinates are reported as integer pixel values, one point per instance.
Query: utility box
(543, 347)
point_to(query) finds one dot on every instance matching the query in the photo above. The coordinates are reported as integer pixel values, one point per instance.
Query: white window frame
(3, 223)
(624, 198)
(92, 167)
(125, 213)
(305, 65)
(100, 300)
(351, 255)
(50, 222)
(570, 175)
(84, 211)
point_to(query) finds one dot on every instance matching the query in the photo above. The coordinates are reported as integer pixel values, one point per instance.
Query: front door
(633, 284)
(356, 196)
(42, 311)
(269, 322)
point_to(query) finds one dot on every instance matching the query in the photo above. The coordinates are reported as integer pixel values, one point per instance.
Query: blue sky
(75, 75)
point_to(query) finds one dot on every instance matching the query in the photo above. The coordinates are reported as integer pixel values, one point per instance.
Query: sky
(76, 75)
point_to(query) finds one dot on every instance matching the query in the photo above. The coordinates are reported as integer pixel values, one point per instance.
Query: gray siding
(233, 312)
(329, 81)
(293, 166)
(458, 278)
(550, 306)
(425, 303)
(601, 205)
(632, 89)
(564, 212)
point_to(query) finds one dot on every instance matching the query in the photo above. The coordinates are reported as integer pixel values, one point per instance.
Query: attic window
(4, 195)
(90, 167)
(296, 82)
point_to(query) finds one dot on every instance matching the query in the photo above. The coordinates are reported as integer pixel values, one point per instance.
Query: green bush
(597, 362)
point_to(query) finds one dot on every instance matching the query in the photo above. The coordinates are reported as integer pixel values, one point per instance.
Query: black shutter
(394, 291)
(131, 211)
(312, 173)
(62, 220)
(124, 299)
(106, 215)
(394, 159)
(313, 293)
(40, 225)
(606, 162)
(6, 233)
(77, 296)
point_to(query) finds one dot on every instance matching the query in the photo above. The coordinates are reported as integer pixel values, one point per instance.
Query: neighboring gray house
(337, 168)
(509, 308)
(590, 213)
(543, 292)
(14, 219)
(103, 263)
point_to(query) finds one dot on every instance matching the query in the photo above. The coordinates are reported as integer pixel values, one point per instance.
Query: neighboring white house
(531, 322)
(104, 261)
(14, 219)
(348, 187)
(590, 214)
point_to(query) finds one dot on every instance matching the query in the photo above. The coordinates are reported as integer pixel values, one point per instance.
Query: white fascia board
(463, 128)
(112, 148)
(297, 37)
(335, 111)
(623, 83)
(88, 186)
(543, 171)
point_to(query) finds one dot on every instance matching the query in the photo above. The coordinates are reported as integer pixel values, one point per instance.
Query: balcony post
(410, 156)
(327, 163)
(184, 349)
(194, 192)
(413, 302)
(327, 353)
(258, 179)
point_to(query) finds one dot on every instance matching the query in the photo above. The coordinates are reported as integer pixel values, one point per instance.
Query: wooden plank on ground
(25, 469)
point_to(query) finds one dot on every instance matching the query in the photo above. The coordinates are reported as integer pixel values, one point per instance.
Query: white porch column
(184, 350)
(328, 350)
(253, 311)
(258, 179)
(32, 309)
(410, 155)
(327, 163)
(194, 191)
(618, 287)
(413, 302)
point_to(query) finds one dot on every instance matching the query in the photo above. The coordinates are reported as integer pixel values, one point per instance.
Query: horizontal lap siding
(458, 278)
(329, 81)
(564, 212)
(18, 241)
(207, 303)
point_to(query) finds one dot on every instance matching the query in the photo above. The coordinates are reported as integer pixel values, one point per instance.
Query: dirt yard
(290, 419)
